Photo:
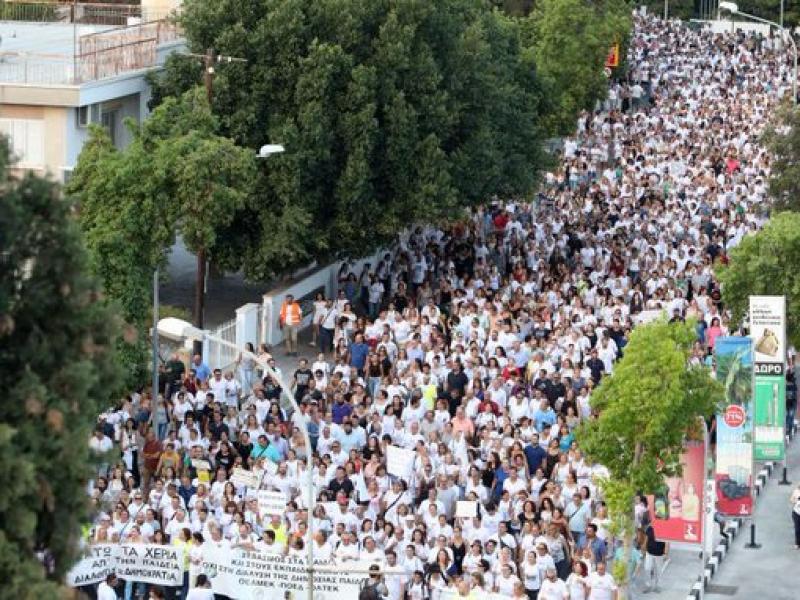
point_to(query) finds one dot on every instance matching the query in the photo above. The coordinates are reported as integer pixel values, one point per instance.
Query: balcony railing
(100, 56)
(67, 11)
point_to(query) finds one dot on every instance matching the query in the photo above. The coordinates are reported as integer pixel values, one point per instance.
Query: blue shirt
(340, 411)
(535, 455)
(358, 355)
(202, 371)
(542, 417)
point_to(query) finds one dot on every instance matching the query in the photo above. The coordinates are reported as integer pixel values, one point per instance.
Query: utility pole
(210, 58)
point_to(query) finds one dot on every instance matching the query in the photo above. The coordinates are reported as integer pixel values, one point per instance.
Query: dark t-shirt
(654, 547)
(302, 377)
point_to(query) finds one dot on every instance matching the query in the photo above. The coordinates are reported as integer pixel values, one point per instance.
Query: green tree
(57, 370)
(766, 264)
(571, 39)
(177, 177)
(647, 406)
(391, 111)
(783, 141)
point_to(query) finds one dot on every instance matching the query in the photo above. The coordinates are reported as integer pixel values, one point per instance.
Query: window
(26, 139)
(109, 121)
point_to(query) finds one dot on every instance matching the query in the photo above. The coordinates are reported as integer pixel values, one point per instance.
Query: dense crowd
(477, 347)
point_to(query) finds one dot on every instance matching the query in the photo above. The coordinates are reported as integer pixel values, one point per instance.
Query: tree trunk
(200, 289)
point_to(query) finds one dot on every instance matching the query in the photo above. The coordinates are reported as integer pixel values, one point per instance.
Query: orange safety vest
(290, 314)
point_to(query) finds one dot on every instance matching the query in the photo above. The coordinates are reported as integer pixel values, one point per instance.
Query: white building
(63, 70)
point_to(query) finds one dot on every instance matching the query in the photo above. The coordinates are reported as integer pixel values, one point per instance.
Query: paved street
(771, 571)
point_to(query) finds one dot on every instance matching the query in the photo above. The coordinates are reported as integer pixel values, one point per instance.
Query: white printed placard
(243, 477)
(399, 461)
(271, 503)
(466, 509)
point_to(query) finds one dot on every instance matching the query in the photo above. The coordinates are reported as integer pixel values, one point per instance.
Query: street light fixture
(733, 8)
(268, 150)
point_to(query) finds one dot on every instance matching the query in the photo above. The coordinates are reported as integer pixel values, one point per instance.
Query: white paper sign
(271, 503)
(97, 562)
(245, 478)
(466, 509)
(399, 461)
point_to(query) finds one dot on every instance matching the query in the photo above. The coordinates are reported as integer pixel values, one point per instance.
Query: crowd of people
(477, 347)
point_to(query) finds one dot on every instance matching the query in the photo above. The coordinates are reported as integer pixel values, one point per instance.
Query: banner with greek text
(147, 563)
(260, 576)
(150, 563)
(96, 562)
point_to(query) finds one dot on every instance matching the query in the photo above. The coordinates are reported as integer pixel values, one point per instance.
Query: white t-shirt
(106, 592)
(553, 590)
(200, 594)
(603, 586)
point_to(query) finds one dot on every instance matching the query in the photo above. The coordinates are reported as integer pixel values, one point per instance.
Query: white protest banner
(271, 503)
(466, 508)
(150, 563)
(399, 461)
(258, 576)
(97, 562)
(245, 478)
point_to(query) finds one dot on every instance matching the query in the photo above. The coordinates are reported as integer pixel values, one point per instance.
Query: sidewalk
(769, 572)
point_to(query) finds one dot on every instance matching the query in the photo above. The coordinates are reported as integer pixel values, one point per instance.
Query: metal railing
(67, 11)
(100, 55)
(222, 350)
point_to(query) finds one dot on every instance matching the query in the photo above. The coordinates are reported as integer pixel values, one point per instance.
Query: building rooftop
(58, 53)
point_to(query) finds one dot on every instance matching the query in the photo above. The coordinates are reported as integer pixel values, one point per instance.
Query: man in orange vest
(290, 320)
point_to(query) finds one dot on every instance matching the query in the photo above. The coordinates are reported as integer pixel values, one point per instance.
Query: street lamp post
(733, 8)
(191, 332)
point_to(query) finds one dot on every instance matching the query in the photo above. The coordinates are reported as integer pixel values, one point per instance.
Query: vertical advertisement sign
(768, 332)
(734, 471)
(678, 506)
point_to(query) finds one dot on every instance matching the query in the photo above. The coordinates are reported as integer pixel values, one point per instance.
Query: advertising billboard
(734, 469)
(677, 508)
(768, 332)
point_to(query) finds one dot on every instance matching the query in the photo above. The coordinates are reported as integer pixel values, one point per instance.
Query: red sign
(734, 416)
(677, 508)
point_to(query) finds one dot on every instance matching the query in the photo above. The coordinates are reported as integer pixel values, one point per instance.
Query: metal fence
(100, 55)
(67, 11)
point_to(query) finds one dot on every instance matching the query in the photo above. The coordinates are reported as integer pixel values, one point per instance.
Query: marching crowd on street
(477, 347)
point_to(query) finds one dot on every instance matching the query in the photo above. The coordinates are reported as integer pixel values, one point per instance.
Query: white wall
(324, 277)
(723, 26)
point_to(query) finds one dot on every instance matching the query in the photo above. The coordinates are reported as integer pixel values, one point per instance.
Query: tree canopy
(57, 370)
(647, 407)
(571, 39)
(765, 264)
(391, 111)
(783, 141)
(177, 177)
